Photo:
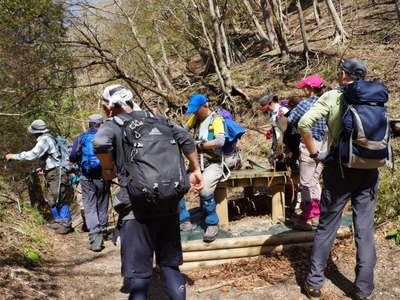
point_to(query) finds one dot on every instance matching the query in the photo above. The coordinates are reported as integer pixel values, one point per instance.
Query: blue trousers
(360, 186)
(209, 210)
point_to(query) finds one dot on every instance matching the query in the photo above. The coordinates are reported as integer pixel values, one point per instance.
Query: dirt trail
(81, 274)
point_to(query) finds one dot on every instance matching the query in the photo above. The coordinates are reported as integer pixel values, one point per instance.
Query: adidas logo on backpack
(155, 131)
(365, 143)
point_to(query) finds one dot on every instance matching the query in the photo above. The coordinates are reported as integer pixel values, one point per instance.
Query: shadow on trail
(300, 261)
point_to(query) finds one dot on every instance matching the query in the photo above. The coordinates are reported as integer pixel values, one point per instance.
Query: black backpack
(153, 171)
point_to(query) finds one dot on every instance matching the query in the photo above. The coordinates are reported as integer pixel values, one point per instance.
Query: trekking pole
(253, 163)
(14, 184)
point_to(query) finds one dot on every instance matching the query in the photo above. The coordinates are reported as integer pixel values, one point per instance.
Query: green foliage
(31, 64)
(388, 204)
(395, 235)
(32, 254)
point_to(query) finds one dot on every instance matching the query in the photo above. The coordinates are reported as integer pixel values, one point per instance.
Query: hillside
(36, 264)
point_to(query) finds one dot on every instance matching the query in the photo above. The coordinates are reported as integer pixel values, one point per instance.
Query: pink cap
(313, 80)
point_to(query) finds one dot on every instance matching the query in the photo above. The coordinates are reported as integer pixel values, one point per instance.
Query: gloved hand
(268, 134)
(321, 156)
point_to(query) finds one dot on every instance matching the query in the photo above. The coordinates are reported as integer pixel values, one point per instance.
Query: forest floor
(74, 272)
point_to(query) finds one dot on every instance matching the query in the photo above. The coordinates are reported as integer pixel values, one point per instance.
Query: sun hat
(354, 67)
(96, 119)
(118, 95)
(195, 102)
(38, 126)
(266, 100)
(313, 81)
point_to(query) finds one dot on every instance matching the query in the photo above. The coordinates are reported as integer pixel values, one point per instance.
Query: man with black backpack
(48, 151)
(95, 190)
(145, 150)
(358, 143)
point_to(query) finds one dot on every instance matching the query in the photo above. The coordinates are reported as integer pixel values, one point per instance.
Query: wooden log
(238, 252)
(189, 265)
(258, 240)
(221, 198)
(205, 263)
(278, 203)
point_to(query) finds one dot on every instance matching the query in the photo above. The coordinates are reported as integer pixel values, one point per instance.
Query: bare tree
(340, 33)
(218, 38)
(316, 11)
(268, 22)
(158, 72)
(260, 30)
(302, 26)
(278, 26)
(397, 4)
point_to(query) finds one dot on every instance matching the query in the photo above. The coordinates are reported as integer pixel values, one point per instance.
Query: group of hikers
(342, 133)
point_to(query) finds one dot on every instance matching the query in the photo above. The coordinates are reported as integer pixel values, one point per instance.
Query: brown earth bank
(74, 272)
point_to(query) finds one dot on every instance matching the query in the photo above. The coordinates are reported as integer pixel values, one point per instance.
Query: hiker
(143, 230)
(291, 138)
(310, 171)
(274, 110)
(341, 182)
(209, 133)
(232, 159)
(48, 153)
(95, 190)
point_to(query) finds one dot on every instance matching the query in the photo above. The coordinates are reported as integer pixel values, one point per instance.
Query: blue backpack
(89, 162)
(233, 131)
(365, 142)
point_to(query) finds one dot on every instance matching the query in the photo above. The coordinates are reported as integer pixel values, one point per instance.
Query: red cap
(313, 80)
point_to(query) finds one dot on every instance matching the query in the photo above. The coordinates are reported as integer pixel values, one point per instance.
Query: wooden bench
(253, 178)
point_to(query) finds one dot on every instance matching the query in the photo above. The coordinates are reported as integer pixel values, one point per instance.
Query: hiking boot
(96, 245)
(312, 294)
(63, 229)
(53, 225)
(301, 224)
(361, 298)
(315, 222)
(186, 226)
(211, 233)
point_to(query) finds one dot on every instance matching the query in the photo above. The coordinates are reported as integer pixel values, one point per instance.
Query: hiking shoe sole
(312, 294)
(53, 226)
(211, 233)
(63, 230)
(186, 226)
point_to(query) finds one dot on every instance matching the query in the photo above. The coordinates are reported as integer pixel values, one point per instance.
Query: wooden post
(278, 202)
(222, 205)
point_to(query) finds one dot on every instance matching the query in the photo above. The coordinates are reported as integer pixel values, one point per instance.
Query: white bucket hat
(38, 126)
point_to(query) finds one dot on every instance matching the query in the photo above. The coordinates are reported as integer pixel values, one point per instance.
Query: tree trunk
(316, 11)
(225, 73)
(268, 22)
(340, 33)
(224, 38)
(302, 26)
(260, 31)
(282, 42)
(397, 4)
